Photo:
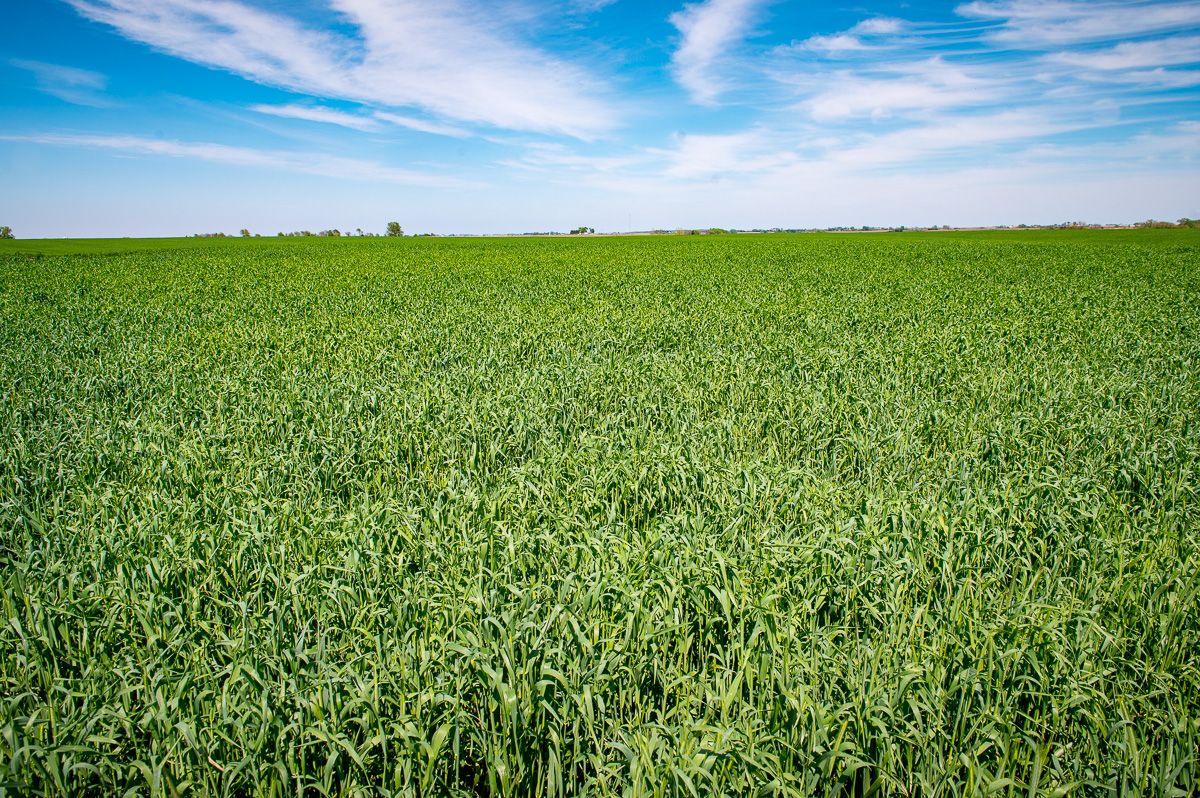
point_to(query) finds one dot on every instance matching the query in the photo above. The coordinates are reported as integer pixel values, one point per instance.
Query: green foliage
(1185, 222)
(394, 229)
(6, 232)
(743, 515)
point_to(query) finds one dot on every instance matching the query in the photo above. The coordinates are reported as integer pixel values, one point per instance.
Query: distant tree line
(393, 229)
(1154, 224)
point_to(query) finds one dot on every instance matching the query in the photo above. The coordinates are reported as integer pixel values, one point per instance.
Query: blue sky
(169, 117)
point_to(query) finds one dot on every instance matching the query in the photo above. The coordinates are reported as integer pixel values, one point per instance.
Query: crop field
(804, 515)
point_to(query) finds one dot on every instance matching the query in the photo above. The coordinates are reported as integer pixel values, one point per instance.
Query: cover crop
(787, 515)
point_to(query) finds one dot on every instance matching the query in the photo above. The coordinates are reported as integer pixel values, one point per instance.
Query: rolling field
(676, 516)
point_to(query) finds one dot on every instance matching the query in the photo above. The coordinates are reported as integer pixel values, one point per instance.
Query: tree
(6, 232)
(394, 229)
(245, 233)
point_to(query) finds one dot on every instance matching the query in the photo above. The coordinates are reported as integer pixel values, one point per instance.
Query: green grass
(124, 246)
(110, 246)
(768, 515)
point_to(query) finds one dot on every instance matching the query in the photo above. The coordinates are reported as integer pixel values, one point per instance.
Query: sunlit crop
(676, 516)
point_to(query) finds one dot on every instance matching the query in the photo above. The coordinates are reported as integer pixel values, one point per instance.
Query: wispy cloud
(923, 86)
(709, 157)
(1171, 51)
(1149, 79)
(74, 85)
(318, 114)
(853, 39)
(590, 6)
(1008, 77)
(709, 30)
(552, 157)
(450, 59)
(423, 125)
(303, 162)
(947, 140)
(1032, 23)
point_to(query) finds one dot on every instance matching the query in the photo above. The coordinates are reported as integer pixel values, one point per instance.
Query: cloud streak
(1036, 23)
(1171, 51)
(709, 30)
(924, 86)
(319, 114)
(303, 162)
(73, 85)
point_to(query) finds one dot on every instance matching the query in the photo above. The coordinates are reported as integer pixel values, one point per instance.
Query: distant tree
(359, 231)
(394, 229)
(6, 232)
(244, 233)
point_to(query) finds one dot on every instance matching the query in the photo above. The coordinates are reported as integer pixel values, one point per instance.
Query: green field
(785, 515)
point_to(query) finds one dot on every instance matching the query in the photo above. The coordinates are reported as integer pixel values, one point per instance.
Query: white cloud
(450, 59)
(1134, 55)
(710, 29)
(1034, 23)
(989, 89)
(926, 86)
(853, 38)
(590, 6)
(551, 157)
(1148, 79)
(1178, 144)
(838, 43)
(318, 114)
(879, 25)
(422, 125)
(991, 168)
(945, 139)
(74, 85)
(304, 162)
(715, 157)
